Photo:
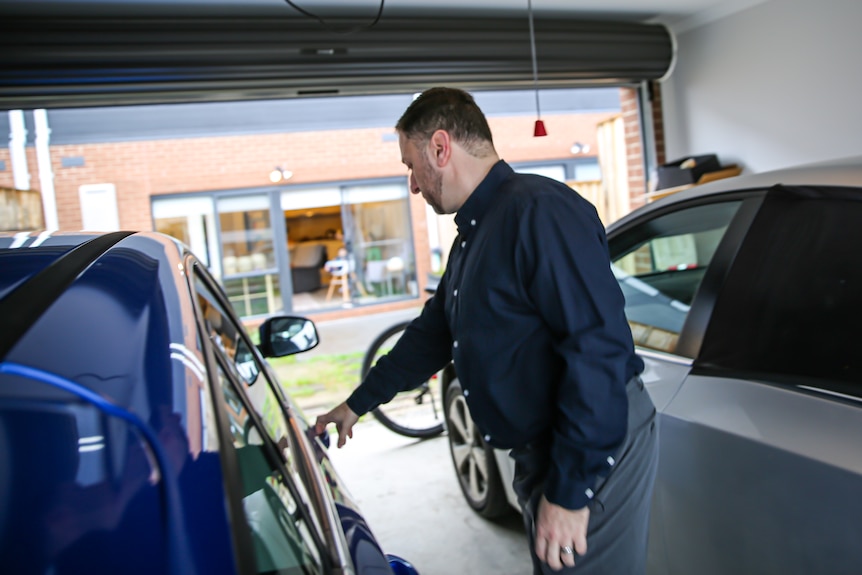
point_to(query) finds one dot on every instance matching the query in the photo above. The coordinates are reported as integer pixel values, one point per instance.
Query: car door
(667, 262)
(761, 463)
(287, 534)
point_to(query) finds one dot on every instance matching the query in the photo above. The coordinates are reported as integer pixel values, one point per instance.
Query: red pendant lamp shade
(539, 130)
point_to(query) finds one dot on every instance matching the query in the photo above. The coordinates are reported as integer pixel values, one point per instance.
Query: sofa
(306, 261)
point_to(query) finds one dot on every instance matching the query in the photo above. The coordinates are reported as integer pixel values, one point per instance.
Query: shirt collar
(477, 204)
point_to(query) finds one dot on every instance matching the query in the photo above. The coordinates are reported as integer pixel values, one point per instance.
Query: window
(371, 222)
(284, 532)
(250, 274)
(660, 265)
(190, 220)
(99, 207)
(791, 307)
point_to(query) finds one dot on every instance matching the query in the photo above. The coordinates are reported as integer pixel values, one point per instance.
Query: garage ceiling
(62, 53)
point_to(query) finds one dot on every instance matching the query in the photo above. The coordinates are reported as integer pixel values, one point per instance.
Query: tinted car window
(660, 264)
(792, 303)
(273, 490)
(226, 335)
(282, 540)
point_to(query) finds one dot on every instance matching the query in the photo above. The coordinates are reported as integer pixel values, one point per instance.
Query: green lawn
(335, 374)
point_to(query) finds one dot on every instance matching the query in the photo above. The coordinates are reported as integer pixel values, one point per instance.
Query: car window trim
(691, 335)
(314, 481)
(224, 425)
(243, 544)
(664, 356)
(696, 322)
(274, 459)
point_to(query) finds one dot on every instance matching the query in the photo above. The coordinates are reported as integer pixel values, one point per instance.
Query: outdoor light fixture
(579, 148)
(278, 174)
(539, 129)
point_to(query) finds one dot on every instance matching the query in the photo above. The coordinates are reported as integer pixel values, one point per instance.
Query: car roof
(24, 254)
(839, 172)
(114, 328)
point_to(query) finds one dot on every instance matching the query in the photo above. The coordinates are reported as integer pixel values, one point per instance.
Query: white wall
(777, 84)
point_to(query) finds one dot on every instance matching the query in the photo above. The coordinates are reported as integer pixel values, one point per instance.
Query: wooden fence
(20, 210)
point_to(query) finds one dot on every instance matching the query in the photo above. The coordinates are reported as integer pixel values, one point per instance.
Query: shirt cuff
(570, 494)
(361, 401)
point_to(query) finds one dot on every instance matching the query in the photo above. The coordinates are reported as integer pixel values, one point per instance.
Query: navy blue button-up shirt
(532, 316)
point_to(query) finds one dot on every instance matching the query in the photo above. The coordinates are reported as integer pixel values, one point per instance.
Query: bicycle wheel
(415, 413)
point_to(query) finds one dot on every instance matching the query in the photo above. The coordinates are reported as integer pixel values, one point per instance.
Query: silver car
(744, 297)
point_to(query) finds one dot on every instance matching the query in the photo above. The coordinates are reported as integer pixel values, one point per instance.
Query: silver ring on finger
(566, 550)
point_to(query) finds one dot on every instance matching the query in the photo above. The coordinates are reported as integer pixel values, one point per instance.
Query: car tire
(472, 458)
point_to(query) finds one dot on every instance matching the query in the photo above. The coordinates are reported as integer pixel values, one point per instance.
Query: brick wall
(6, 179)
(658, 123)
(143, 169)
(140, 170)
(634, 139)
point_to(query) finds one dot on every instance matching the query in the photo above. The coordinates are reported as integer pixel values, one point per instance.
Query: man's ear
(440, 147)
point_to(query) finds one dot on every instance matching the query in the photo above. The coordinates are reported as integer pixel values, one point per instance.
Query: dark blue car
(141, 431)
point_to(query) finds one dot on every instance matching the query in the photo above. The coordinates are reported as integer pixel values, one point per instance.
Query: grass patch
(304, 376)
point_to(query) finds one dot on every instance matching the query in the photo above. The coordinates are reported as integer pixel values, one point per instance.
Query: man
(532, 316)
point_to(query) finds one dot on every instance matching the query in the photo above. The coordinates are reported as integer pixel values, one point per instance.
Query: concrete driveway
(409, 494)
(407, 488)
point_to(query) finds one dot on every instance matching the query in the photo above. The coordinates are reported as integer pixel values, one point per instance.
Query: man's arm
(565, 268)
(423, 349)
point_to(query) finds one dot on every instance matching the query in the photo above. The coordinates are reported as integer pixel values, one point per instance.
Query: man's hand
(558, 528)
(343, 418)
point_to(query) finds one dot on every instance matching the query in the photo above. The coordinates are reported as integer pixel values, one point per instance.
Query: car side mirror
(287, 335)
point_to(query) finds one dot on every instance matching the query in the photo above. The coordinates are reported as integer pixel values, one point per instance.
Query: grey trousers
(619, 510)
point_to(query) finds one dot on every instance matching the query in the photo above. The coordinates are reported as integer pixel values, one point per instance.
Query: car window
(660, 264)
(791, 306)
(274, 494)
(226, 335)
(283, 542)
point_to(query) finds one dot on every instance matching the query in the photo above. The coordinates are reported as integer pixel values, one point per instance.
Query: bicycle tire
(399, 415)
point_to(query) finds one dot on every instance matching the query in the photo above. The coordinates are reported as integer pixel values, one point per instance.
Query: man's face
(425, 178)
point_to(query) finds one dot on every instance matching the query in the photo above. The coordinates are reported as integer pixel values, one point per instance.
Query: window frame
(196, 272)
(694, 326)
(765, 227)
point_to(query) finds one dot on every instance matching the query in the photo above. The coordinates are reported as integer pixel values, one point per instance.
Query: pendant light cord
(533, 54)
(329, 28)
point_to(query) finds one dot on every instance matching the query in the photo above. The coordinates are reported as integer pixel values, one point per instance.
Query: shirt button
(466, 392)
(487, 439)
(455, 343)
(464, 243)
(589, 493)
(455, 292)
(472, 222)
(611, 461)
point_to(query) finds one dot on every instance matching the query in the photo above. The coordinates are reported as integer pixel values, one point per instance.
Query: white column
(18, 149)
(46, 174)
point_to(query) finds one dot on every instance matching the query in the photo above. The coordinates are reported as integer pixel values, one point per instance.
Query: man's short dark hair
(452, 110)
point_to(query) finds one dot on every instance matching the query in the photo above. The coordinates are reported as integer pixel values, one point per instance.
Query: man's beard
(433, 193)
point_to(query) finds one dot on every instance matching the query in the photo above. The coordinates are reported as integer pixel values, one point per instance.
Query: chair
(395, 269)
(343, 274)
